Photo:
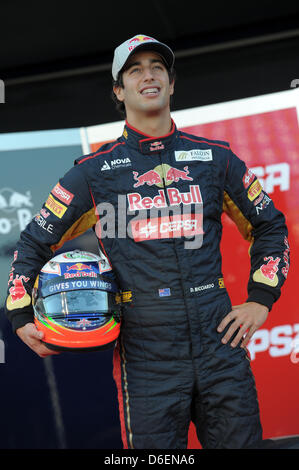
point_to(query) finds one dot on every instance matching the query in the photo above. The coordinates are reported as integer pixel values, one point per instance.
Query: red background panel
(263, 140)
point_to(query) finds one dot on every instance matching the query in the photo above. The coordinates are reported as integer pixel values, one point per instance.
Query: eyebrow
(138, 62)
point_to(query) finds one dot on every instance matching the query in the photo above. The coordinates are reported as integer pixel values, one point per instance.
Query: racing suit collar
(147, 144)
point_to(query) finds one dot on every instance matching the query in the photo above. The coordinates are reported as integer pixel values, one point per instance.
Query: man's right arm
(67, 213)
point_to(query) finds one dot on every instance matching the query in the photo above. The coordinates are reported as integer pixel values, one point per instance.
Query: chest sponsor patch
(116, 163)
(175, 197)
(179, 225)
(199, 155)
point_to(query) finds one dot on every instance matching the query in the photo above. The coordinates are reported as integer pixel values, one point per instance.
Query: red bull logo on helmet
(79, 270)
(78, 267)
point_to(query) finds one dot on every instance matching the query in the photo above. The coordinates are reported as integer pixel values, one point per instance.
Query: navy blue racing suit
(156, 205)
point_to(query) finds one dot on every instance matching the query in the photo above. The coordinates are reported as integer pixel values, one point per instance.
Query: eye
(134, 70)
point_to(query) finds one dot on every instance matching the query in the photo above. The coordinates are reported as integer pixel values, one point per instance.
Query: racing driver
(181, 354)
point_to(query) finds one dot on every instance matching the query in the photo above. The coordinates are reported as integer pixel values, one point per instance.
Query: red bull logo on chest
(173, 196)
(161, 176)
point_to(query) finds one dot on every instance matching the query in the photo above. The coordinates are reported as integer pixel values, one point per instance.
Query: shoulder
(203, 141)
(105, 149)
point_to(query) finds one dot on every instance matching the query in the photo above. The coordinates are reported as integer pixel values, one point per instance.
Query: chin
(153, 107)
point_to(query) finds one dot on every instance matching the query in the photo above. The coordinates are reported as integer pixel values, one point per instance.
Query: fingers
(243, 321)
(33, 338)
(239, 336)
(248, 336)
(43, 351)
(238, 328)
(226, 320)
(236, 325)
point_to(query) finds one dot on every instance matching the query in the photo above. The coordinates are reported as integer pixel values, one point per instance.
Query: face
(146, 84)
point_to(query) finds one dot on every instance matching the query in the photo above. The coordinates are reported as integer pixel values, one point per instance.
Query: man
(181, 354)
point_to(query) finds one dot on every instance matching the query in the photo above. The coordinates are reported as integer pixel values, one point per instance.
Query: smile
(150, 91)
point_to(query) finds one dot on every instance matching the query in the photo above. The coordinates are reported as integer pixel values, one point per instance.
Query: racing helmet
(76, 303)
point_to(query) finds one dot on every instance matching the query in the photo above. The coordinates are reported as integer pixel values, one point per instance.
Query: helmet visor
(79, 301)
(73, 304)
(78, 310)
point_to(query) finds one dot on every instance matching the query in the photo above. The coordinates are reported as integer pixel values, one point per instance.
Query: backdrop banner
(262, 131)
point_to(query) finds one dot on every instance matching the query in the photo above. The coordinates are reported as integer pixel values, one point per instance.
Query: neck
(152, 125)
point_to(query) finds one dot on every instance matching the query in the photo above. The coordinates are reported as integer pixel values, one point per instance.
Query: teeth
(150, 90)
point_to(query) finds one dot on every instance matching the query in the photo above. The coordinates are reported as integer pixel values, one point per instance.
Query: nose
(148, 74)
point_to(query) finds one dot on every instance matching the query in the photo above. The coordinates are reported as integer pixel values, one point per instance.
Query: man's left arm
(256, 217)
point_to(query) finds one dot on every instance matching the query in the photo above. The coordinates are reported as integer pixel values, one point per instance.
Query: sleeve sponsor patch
(254, 190)
(248, 178)
(18, 297)
(55, 206)
(267, 272)
(62, 194)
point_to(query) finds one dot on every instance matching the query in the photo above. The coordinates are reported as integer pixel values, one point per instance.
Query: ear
(171, 88)
(118, 90)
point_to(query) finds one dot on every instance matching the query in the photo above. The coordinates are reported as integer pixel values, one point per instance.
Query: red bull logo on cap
(138, 39)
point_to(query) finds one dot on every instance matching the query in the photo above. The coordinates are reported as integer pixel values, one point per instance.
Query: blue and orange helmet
(76, 303)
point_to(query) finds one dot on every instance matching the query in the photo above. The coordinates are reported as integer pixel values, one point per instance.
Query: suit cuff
(262, 297)
(19, 319)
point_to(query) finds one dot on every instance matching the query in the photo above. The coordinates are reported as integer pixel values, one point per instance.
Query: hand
(248, 317)
(31, 336)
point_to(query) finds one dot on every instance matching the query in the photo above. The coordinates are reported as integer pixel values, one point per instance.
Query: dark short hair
(120, 106)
